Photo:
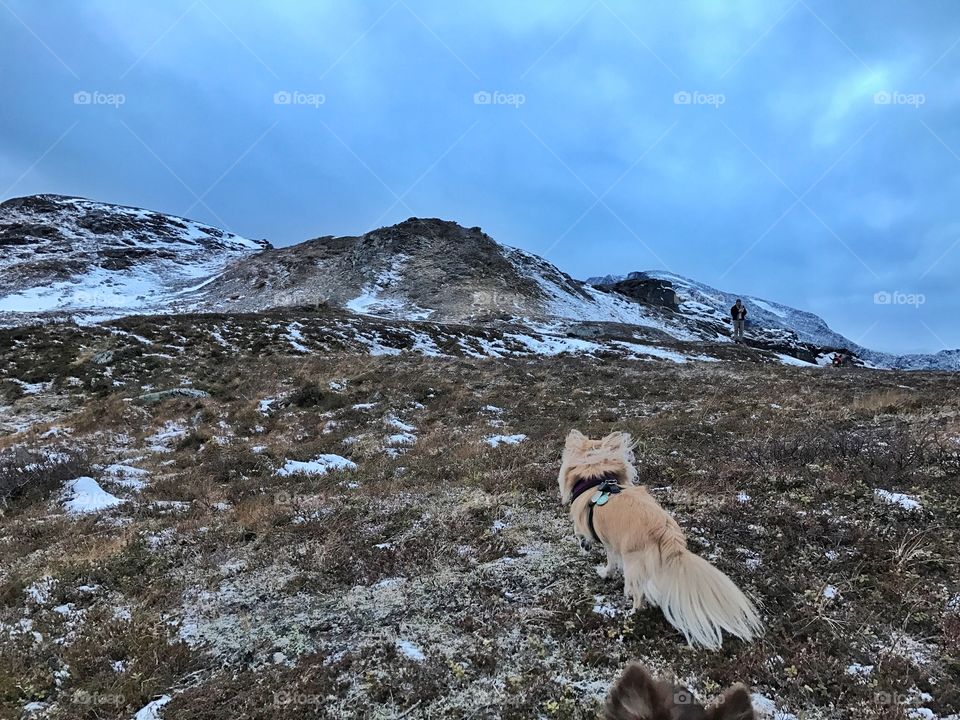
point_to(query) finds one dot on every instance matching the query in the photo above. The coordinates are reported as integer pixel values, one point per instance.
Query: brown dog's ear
(635, 696)
(733, 705)
(575, 438)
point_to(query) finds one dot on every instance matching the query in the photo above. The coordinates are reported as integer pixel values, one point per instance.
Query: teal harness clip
(600, 497)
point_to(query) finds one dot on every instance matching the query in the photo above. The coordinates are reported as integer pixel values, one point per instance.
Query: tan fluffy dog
(645, 543)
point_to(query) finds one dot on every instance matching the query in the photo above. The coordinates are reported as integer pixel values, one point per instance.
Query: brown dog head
(637, 696)
(583, 457)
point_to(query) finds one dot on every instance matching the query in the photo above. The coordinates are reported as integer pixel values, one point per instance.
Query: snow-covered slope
(71, 254)
(700, 301)
(776, 324)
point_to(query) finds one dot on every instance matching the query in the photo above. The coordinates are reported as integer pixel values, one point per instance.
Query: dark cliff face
(659, 293)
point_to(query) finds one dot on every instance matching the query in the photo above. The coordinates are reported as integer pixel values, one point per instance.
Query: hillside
(320, 481)
(416, 270)
(62, 254)
(709, 307)
(75, 258)
(223, 516)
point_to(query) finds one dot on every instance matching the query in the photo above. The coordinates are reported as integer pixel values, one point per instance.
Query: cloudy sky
(804, 151)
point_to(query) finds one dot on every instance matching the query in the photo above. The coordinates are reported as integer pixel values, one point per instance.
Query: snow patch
(410, 650)
(907, 502)
(790, 360)
(767, 708)
(497, 440)
(39, 591)
(393, 421)
(859, 670)
(83, 495)
(601, 607)
(320, 465)
(296, 339)
(151, 711)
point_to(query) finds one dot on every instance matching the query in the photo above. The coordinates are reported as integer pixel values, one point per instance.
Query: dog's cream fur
(647, 545)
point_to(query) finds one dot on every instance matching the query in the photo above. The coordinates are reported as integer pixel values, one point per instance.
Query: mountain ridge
(70, 256)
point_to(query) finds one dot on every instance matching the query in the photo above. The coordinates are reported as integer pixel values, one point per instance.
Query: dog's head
(583, 457)
(637, 696)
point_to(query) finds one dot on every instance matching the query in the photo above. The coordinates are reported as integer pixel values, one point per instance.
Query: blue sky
(807, 152)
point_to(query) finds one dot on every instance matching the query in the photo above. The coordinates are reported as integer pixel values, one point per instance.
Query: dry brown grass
(95, 547)
(464, 549)
(888, 400)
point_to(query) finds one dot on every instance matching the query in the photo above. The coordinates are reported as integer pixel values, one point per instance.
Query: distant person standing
(739, 314)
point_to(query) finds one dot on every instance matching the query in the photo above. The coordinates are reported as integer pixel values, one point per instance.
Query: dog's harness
(606, 485)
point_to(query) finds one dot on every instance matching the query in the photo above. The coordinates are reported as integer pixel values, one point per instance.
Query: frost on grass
(463, 552)
(161, 441)
(127, 475)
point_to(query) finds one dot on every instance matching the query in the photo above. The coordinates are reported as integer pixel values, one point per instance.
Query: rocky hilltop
(418, 268)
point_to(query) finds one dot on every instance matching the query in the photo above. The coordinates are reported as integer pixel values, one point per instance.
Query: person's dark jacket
(738, 313)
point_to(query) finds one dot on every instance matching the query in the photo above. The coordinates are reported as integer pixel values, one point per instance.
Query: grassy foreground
(440, 579)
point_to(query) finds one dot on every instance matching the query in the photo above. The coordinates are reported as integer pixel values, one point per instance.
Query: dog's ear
(733, 705)
(618, 441)
(636, 696)
(575, 439)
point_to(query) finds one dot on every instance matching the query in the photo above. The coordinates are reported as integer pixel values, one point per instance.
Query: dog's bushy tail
(696, 598)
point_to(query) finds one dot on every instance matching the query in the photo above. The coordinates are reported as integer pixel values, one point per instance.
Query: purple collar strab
(589, 483)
